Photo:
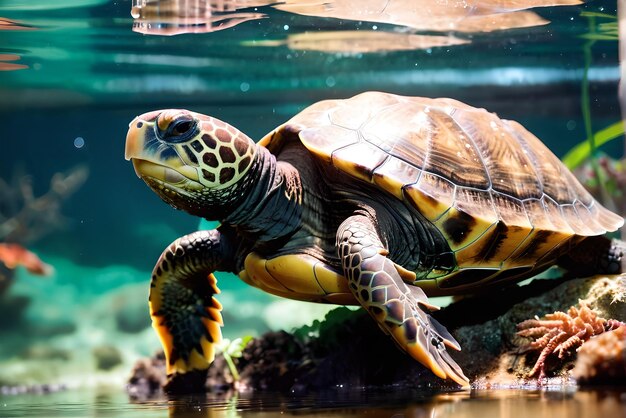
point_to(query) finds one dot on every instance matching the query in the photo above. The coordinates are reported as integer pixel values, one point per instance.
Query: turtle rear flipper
(378, 286)
(595, 255)
(183, 308)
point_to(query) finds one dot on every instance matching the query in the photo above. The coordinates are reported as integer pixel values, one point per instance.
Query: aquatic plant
(232, 350)
(613, 183)
(562, 333)
(581, 152)
(605, 31)
(597, 32)
(328, 328)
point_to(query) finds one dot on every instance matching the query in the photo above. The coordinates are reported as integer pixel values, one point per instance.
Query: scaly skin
(184, 312)
(399, 310)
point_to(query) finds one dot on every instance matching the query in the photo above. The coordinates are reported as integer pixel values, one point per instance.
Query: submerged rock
(107, 357)
(491, 354)
(348, 350)
(147, 378)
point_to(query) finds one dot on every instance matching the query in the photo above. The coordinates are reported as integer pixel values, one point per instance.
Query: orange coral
(562, 333)
(14, 255)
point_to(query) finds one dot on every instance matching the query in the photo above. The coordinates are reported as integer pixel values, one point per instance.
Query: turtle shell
(500, 197)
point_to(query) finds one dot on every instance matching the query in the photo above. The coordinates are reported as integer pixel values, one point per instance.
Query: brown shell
(495, 191)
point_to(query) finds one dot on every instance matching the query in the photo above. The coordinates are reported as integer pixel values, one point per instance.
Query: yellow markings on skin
(196, 360)
(407, 275)
(295, 273)
(331, 282)
(258, 276)
(421, 354)
(417, 351)
(164, 334)
(299, 277)
(428, 285)
(165, 337)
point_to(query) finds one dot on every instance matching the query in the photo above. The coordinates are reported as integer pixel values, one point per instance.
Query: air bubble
(79, 142)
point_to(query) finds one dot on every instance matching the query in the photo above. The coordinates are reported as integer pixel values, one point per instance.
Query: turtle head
(193, 162)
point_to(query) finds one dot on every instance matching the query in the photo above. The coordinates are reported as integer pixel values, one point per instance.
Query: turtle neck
(271, 208)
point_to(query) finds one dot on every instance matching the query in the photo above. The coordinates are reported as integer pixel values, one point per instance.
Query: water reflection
(7, 61)
(430, 15)
(562, 403)
(173, 17)
(551, 402)
(356, 42)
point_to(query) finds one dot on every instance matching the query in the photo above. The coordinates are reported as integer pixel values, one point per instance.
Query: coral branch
(562, 333)
(26, 218)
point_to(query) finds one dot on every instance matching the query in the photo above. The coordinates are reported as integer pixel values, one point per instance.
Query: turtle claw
(447, 338)
(426, 340)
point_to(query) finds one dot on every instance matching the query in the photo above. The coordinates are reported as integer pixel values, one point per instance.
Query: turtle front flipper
(183, 308)
(400, 310)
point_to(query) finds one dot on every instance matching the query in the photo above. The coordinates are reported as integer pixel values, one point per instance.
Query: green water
(75, 73)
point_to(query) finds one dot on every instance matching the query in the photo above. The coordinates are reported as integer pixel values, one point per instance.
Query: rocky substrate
(348, 350)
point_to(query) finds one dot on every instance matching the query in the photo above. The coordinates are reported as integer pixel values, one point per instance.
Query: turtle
(378, 200)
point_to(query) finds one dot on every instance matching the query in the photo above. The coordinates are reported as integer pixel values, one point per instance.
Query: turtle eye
(178, 130)
(181, 127)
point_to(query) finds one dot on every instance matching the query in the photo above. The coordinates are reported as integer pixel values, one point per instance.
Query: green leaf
(598, 14)
(582, 151)
(599, 37)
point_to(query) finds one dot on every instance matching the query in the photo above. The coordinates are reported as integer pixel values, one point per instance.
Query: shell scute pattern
(394, 173)
(360, 159)
(432, 195)
(452, 154)
(496, 192)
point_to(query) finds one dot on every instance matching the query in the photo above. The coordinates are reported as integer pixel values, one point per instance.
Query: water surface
(568, 403)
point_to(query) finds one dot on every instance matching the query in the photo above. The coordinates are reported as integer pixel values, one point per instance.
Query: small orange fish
(14, 255)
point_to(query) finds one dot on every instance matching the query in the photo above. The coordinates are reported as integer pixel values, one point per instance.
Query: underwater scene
(312, 207)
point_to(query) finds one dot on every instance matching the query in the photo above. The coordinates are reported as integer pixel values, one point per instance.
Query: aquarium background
(74, 73)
